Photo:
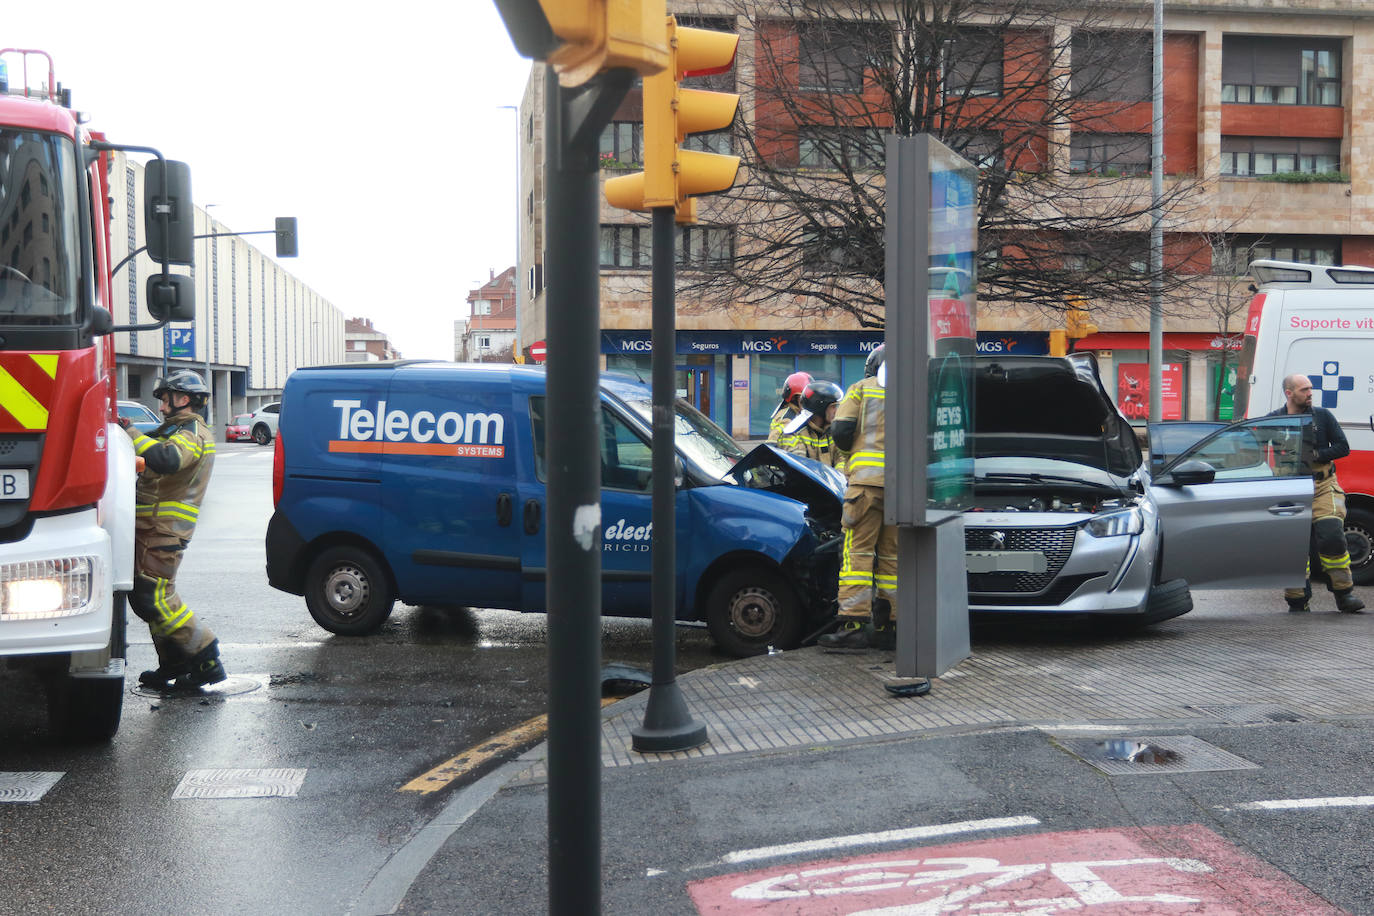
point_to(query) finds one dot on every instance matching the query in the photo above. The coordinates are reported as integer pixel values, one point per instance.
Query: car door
(1235, 508)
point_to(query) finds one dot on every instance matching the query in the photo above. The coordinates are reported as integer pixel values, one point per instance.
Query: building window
(481, 306)
(627, 247)
(1246, 156)
(973, 64)
(836, 149)
(359, 345)
(833, 56)
(622, 143)
(1260, 70)
(1112, 66)
(702, 247)
(1238, 251)
(484, 341)
(1109, 154)
(983, 148)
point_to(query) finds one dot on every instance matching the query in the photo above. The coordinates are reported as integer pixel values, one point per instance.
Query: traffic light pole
(573, 123)
(668, 725)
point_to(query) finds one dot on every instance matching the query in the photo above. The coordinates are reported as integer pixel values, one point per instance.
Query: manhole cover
(233, 685)
(1170, 754)
(26, 787)
(268, 783)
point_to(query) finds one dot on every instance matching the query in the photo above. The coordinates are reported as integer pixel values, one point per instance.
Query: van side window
(626, 459)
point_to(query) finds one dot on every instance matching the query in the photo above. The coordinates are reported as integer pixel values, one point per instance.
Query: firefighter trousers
(1328, 536)
(177, 633)
(869, 561)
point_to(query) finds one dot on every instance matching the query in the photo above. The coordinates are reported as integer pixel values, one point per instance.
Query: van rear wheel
(751, 609)
(348, 592)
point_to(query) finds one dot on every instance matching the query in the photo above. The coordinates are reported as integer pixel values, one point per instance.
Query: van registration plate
(14, 483)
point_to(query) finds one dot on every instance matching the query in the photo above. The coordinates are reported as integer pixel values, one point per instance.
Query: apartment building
(1267, 120)
(488, 333)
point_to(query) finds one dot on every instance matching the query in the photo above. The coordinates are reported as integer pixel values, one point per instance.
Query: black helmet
(875, 359)
(185, 381)
(819, 395)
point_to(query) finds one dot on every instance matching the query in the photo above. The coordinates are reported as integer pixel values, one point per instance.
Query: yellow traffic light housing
(1077, 323)
(581, 38)
(1059, 344)
(673, 175)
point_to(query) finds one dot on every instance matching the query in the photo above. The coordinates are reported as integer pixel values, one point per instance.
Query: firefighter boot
(1347, 603)
(163, 676)
(884, 634)
(852, 636)
(1298, 603)
(203, 668)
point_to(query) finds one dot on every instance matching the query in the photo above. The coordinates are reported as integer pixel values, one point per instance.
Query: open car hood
(1050, 407)
(807, 481)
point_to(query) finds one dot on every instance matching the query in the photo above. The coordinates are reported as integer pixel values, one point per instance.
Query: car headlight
(1115, 524)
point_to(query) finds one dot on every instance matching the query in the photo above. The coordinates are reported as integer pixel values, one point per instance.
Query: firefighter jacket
(810, 442)
(781, 417)
(862, 410)
(1330, 441)
(178, 457)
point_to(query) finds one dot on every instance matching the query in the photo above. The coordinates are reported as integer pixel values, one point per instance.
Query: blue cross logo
(1331, 383)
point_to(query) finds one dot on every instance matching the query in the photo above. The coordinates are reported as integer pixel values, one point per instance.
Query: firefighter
(1328, 500)
(808, 433)
(789, 404)
(869, 561)
(177, 459)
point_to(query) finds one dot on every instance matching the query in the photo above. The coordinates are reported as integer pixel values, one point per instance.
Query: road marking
(471, 759)
(280, 782)
(27, 786)
(1289, 804)
(871, 839)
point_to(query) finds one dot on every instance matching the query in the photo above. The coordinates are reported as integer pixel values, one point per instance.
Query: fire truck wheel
(85, 710)
(1359, 539)
(348, 591)
(750, 609)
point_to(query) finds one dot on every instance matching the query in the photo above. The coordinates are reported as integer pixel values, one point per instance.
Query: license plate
(986, 561)
(14, 484)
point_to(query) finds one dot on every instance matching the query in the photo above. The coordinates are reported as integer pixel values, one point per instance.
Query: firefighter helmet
(819, 395)
(875, 359)
(794, 385)
(183, 381)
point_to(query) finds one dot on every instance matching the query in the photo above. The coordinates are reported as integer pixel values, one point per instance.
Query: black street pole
(668, 725)
(573, 122)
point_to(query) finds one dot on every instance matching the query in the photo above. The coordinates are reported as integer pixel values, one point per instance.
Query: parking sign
(181, 342)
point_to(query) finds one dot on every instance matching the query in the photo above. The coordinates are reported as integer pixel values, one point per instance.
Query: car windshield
(38, 222)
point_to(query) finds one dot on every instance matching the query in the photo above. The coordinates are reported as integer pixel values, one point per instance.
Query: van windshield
(698, 439)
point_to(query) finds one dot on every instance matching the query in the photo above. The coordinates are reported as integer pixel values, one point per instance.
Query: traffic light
(286, 237)
(672, 175)
(1059, 343)
(580, 38)
(1077, 323)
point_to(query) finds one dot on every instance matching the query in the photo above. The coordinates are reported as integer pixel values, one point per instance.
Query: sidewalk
(790, 734)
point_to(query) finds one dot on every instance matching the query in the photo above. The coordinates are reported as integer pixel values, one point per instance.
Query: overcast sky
(378, 126)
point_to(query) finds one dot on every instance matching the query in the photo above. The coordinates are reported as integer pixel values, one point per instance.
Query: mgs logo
(1331, 383)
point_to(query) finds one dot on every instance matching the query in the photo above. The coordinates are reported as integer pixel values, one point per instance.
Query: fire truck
(67, 470)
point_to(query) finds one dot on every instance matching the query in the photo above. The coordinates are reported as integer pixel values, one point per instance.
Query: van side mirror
(168, 214)
(171, 298)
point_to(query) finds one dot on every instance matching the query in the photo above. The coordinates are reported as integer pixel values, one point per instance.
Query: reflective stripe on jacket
(863, 404)
(810, 443)
(178, 458)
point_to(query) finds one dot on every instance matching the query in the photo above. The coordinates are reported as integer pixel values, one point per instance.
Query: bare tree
(1049, 98)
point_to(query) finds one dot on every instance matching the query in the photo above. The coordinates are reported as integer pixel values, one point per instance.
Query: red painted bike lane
(1187, 870)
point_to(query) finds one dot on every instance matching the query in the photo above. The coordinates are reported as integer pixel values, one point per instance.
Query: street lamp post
(211, 252)
(516, 348)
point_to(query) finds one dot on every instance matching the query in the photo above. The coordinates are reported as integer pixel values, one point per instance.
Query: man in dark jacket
(1328, 500)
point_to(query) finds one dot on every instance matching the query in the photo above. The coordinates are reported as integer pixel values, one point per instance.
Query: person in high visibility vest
(867, 592)
(808, 434)
(1328, 500)
(177, 459)
(789, 404)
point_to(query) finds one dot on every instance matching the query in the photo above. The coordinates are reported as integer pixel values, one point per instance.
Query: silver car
(1067, 518)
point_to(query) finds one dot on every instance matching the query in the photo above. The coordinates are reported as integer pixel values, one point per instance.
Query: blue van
(425, 482)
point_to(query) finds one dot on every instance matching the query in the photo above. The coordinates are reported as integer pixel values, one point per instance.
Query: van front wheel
(749, 610)
(348, 592)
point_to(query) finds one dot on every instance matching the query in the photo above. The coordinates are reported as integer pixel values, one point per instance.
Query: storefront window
(766, 375)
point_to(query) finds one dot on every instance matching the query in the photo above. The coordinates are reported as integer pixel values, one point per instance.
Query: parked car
(263, 423)
(239, 429)
(141, 416)
(1066, 518)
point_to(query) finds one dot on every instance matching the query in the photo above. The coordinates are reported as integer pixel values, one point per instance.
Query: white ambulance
(1319, 320)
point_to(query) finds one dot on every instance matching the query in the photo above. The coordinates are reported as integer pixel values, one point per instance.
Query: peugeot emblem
(999, 540)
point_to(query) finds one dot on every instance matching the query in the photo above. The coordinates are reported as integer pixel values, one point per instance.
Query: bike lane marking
(1186, 869)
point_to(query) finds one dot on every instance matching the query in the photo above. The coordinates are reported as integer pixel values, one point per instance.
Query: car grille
(1055, 543)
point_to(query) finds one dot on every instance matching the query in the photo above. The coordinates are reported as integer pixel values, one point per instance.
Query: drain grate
(26, 787)
(268, 783)
(1155, 756)
(1250, 713)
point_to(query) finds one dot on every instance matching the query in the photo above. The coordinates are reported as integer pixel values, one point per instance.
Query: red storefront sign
(1133, 390)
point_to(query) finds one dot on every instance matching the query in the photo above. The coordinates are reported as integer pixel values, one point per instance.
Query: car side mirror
(679, 472)
(1189, 473)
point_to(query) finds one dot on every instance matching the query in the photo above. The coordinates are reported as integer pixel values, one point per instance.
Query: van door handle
(1285, 509)
(504, 510)
(532, 516)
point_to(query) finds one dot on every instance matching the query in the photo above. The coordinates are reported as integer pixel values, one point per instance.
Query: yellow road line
(471, 759)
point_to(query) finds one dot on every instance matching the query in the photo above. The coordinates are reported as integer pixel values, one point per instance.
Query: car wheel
(751, 609)
(261, 434)
(1359, 539)
(348, 592)
(1168, 600)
